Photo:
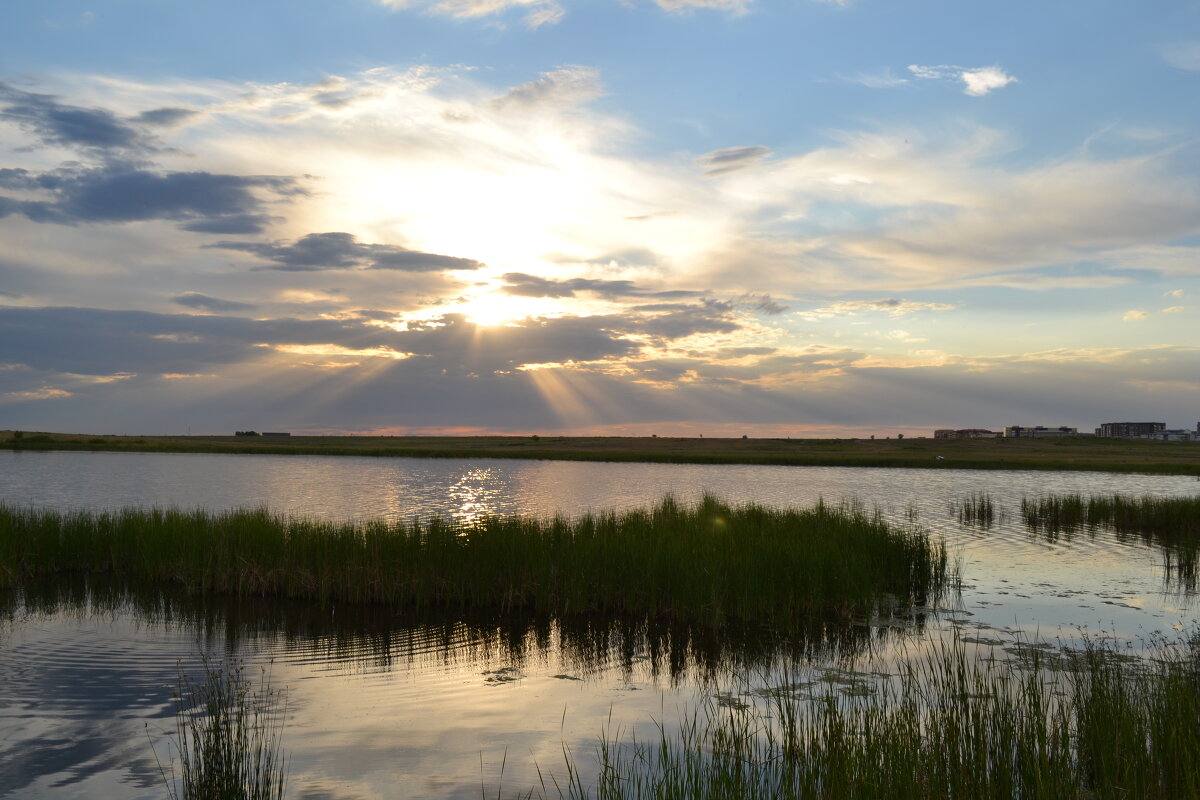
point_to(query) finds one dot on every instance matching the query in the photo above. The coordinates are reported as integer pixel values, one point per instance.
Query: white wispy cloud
(1173, 309)
(977, 81)
(1133, 316)
(537, 12)
(877, 80)
(1182, 55)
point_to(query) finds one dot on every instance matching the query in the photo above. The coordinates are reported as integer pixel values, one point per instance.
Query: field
(1074, 453)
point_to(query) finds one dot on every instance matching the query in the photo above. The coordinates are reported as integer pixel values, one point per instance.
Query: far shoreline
(1086, 454)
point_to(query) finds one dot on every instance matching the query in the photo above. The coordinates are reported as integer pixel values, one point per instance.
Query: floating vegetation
(705, 564)
(229, 738)
(958, 725)
(977, 509)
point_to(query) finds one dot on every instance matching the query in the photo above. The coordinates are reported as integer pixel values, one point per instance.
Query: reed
(1171, 524)
(977, 509)
(229, 738)
(705, 564)
(1109, 726)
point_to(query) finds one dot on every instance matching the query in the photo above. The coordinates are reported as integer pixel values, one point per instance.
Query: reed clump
(1171, 524)
(229, 738)
(978, 509)
(706, 563)
(1108, 726)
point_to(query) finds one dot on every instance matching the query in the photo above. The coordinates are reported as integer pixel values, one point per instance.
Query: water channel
(381, 706)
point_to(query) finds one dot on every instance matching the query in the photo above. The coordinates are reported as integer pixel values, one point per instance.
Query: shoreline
(1059, 454)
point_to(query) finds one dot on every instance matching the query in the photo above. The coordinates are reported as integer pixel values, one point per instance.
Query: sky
(615, 217)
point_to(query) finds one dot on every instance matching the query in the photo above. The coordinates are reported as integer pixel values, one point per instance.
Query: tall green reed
(956, 726)
(229, 737)
(705, 564)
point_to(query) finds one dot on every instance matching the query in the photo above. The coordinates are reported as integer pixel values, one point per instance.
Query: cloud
(731, 159)
(165, 117)
(525, 285)
(735, 7)
(206, 303)
(73, 126)
(335, 250)
(977, 81)
(883, 80)
(1133, 316)
(562, 87)
(1182, 55)
(983, 80)
(891, 306)
(1174, 309)
(199, 201)
(537, 12)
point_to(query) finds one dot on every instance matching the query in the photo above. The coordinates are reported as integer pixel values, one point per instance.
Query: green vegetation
(1165, 518)
(231, 748)
(978, 509)
(1082, 453)
(1108, 726)
(706, 564)
(1171, 524)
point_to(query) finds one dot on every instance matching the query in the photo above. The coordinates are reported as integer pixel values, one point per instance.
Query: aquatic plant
(705, 564)
(1170, 523)
(977, 509)
(229, 737)
(1106, 725)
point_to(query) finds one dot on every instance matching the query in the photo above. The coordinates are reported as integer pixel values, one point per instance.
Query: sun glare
(493, 308)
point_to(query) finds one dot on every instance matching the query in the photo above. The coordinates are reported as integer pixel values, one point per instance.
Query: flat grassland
(1067, 453)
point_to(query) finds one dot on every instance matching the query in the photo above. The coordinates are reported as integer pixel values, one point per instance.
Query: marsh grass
(977, 509)
(1170, 523)
(705, 564)
(958, 725)
(229, 737)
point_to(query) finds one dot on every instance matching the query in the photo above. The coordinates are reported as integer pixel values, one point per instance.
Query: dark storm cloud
(200, 201)
(335, 250)
(206, 303)
(731, 159)
(524, 285)
(57, 123)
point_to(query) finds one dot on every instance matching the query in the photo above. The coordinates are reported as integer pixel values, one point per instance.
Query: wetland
(451, 699)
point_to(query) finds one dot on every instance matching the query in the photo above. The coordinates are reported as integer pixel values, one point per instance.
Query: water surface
(390, 706)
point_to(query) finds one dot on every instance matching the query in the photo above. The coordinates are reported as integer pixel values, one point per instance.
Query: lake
(386, 706)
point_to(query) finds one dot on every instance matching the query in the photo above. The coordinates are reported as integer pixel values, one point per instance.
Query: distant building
(276, 433)
(965, 433)
(1130, 430)
(1037, 432)
(1173, 435)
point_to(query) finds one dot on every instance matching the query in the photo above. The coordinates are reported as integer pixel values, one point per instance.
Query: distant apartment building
(965, 433)
(1130, 430)
(1037, 432)
(1173, 435)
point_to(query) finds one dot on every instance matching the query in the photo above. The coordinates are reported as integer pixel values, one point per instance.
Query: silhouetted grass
(705, 564)
(960, 726)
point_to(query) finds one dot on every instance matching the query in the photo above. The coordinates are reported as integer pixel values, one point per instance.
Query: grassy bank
(1084, 453)
(960, 726)
(705, 564)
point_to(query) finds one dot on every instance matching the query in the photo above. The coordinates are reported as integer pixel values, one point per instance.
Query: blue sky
(684, 216)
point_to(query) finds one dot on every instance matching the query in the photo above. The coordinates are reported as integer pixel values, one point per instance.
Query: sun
(493, 308)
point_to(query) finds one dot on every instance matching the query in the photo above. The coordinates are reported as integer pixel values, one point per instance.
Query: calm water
(381, 706)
